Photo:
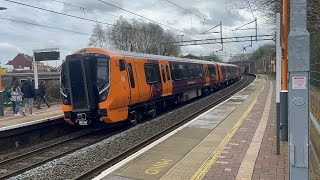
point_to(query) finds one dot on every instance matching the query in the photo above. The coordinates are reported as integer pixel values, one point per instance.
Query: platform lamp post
(284, 74)
(1, 92)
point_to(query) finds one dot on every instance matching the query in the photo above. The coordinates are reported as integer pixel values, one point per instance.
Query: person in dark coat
(10, 93)
(42, 95)
(28, 91)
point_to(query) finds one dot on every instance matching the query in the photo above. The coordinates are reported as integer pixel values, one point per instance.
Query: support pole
(284, 66)
(1, 98)
(299, 68)
(278, 78)
(35, 72)
(221, 32)
(256, 24)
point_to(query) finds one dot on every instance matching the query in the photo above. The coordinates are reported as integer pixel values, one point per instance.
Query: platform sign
(47, 55)
(299, 82)
(43, 55)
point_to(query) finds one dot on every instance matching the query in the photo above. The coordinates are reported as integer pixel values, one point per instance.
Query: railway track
(221, 96)
(18, 164)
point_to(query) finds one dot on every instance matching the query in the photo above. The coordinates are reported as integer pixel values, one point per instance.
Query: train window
(212, 71)
(192, 71)
(152, 73)
(131, 76)
(229, 70)
(197, 71)
(174, 72)
(223, 70)
(168, 75)
(122, 64)
(163, 74)
(201, 74)
(184, 71)
(178, 72)
(64, 79)
(102, 73)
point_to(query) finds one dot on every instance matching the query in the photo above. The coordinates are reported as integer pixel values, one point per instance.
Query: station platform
(9, 121)
(234, 140)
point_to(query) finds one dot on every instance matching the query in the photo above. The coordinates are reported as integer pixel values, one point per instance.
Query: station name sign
(47, 55)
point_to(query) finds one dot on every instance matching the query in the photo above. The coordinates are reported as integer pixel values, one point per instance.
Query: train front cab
(85, 83)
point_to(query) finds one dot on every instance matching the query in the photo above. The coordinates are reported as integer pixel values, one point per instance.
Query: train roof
(146, 56)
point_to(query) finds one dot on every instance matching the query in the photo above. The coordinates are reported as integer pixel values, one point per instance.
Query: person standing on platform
(10, 93)
(28, 91)
(16, 96)
(42, 95)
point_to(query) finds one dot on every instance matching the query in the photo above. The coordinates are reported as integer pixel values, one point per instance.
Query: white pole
(278, 59)
(35, 71)
(278, 77)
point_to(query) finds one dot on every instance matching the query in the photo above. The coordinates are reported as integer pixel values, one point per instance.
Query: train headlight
(103, 95)
(65, 99)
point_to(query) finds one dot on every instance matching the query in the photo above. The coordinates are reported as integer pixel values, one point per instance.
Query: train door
(165, 78)
(220, 73)
(169, 77)
(132, 78)
(217, 76)
(206, 73)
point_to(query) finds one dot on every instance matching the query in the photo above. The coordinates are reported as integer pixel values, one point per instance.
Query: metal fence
(315, 98)
(315, 60)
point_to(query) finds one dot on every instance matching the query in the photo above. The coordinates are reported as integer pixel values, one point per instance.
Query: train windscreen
(102, 74)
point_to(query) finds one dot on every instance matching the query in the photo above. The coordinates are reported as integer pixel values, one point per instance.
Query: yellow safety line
(202, 171)
(7, 109)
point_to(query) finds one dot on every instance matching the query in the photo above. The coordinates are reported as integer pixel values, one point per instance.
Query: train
(109, 86)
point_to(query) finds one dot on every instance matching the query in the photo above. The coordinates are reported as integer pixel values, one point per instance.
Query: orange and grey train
(101, 85)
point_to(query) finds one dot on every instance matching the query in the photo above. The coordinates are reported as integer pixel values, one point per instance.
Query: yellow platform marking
(202, 171)
(248, 162)
(7, 109)
(158, 166)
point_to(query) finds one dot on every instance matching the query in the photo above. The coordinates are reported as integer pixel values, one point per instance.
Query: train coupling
(82, 119)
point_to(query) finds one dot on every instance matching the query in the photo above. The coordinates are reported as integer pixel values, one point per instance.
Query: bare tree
(266, 10)
(142, 37)
(98, 37)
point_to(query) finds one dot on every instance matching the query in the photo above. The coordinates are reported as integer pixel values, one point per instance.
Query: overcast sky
(22, 38)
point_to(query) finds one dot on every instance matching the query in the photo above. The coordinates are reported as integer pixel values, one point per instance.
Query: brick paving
(268, 165)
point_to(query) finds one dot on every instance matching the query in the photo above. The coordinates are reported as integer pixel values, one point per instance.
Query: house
(8, 68)
(24, 62)
(190, 56)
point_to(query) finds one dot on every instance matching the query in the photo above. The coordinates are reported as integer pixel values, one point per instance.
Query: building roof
(9, 62)
(29, 58)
